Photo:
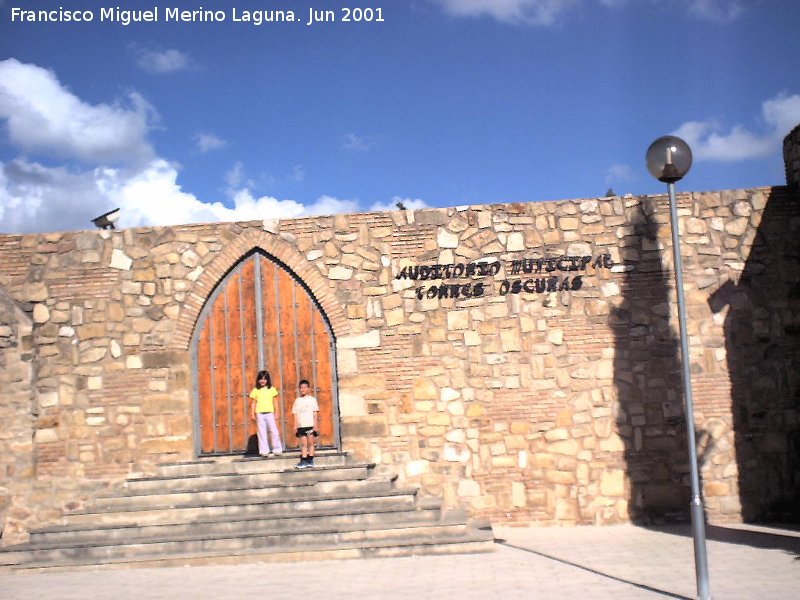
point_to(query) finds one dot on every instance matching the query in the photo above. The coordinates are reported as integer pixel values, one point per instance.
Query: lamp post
(669, 158)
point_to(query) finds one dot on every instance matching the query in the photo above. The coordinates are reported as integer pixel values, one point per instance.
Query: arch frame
(236, 251)
(213, 281)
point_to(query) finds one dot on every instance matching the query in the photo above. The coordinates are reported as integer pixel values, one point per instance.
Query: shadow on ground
(778, 537)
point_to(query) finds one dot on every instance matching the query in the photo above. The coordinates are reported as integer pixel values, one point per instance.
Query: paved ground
(581, 562)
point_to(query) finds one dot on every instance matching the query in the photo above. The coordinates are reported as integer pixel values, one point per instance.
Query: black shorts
(305, 432)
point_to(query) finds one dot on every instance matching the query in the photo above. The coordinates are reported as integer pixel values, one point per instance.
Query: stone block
(458, 320)
(456, 453)
(364, 427)
(415, 468)
(449, 394)
(516, 442)
(165, 445)
(91, 330)
(467, 488)
(566, 447)
(34, 291)
(162, 359)
(456, 436)
(370, 339)
(446, 239)
(510, 340)
(438, 418)
(568, 223)
(612, 483)
(474, 410)
(503, 462)
(716, 488)
(48, 399)
(41, 314)
(564, 418)
(614, 443)
(340, 273)
(737, 226)
(472, 338)
(352, 405)
(519, 497)
(119, 260)
(44, 436)
(560, 477)
(515, 242)
(566, 509)
(560, 433)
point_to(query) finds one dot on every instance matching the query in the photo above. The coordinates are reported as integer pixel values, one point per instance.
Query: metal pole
(696, 504)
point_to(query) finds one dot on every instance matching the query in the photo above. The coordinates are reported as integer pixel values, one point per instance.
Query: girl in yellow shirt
(262, 410)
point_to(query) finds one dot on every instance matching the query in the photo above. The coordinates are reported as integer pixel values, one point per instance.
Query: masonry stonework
(791, 156)
(520, 360)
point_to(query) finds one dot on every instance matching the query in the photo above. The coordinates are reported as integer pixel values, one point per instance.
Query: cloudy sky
(443, 102)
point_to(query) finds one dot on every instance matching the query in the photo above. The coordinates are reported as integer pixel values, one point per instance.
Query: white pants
(266, 421)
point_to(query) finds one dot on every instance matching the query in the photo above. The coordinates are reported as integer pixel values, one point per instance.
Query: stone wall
(17, 406)
(791, 156)
(536, 379)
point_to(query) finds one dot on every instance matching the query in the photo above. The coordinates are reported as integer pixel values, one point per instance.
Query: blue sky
(445, 102)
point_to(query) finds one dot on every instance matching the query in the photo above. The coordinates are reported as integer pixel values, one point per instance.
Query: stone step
(309, 504)
(224, 543)
(240, 464)
(259, 509)
(299, 490)
(472, 541)
(290, 523)
(240, 480)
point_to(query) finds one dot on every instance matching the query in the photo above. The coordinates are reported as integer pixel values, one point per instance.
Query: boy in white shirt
(306, 424)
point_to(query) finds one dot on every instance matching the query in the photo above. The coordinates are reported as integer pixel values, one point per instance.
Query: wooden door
(260, 316)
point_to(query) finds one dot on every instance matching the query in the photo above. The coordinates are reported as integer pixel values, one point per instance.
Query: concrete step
(225, 543)
(472, 541)
(239, 464)
(259, 509)
(290, 523)
(308, 504)
(305, 485)
(240, 480)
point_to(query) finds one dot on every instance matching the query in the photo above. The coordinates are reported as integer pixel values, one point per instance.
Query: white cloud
(709, 140)
(408, 203)
(37, 198)
(235, 175)
(531, 12)
(352, 141)
(122, 171)
(720, 11)
(43, 116)
(298, 174)
(161, 61)
(206, 142)
(619, 173)
(547, 12)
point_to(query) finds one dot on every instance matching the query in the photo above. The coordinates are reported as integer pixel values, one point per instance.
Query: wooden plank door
(260, 316)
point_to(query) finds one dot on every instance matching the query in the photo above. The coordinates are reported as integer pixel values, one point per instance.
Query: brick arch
(234, 252)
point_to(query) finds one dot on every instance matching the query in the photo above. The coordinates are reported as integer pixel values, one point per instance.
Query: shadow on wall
(647, 376)
(762, 339)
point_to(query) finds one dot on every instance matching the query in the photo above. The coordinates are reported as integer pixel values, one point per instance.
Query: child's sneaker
(303, 464)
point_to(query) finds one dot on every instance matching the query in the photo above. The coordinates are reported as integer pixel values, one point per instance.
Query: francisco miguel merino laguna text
(200, 15)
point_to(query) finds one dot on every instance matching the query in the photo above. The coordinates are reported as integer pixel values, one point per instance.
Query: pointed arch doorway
(260, 316)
